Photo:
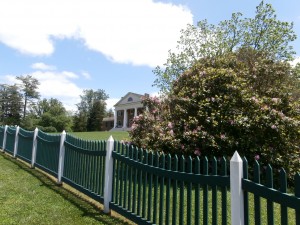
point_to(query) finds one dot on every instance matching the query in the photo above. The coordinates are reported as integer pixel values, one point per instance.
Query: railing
(271, 195)
(47, 152)
(153, 188)
(25, 144)
(10, 140)
(84, 166)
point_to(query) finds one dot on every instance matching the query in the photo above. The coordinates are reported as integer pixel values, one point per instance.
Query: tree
(91, 110)
(49, 115)
(263, 32)
(29, 87)
(11, 104)
(96, 116)
(224, 104)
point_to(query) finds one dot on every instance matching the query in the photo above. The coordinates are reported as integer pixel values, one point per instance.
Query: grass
(102, 135)
(29, 197)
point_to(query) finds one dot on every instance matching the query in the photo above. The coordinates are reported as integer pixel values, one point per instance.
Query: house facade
(126, 109)
(107, 123)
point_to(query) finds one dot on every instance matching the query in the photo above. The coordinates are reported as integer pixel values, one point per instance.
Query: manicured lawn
(29, 197)
(102, 135)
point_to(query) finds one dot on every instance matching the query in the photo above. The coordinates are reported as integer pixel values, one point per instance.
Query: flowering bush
(218, 107)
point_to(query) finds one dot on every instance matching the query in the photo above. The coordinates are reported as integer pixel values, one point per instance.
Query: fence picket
(297, 194)
(205, 193)
(197, 193)
(168, 189)
(283, 189)
(161, 191)
(246, 195)
(140, 173)
(257, 206)
(131, 154)
(150, 188)
(189, 192)
(136, 155)
(270, 205)
(145, 161)
(214, 194)
(156, 164)
(175, 186)
(181, 196)
(126, 177)
(224, 191)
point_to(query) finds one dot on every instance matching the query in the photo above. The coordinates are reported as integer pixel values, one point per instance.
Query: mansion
(126, 109)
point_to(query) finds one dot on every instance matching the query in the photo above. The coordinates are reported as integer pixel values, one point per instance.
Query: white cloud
(111, 102)
(139, 32)
(42, 66)
(295, 61)
(86, 75)
(54, 84)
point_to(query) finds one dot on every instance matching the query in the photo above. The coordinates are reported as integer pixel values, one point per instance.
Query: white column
(108, 174)
(4, 138)
(125, 119)
(61, 157)
(135, 112)
(16, 141)
(34, 146)
(236, 191)
(115, 119)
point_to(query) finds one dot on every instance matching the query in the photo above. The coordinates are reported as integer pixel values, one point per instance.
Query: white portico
(126, 109)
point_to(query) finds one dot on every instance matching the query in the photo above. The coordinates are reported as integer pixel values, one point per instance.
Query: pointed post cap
(236, 157)
(110, 138)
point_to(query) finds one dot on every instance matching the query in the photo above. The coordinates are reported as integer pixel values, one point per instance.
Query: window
(130, 99)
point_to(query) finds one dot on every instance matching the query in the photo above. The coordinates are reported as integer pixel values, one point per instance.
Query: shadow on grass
(87, 208)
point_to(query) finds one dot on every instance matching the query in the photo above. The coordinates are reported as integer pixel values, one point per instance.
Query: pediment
(129, 98)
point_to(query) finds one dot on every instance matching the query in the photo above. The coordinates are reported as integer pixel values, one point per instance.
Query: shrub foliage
(239, 101)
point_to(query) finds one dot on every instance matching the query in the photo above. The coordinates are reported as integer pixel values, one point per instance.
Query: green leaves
(264, 33)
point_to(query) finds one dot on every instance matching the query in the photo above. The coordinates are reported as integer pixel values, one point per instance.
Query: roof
(135, 98)
(108, 119)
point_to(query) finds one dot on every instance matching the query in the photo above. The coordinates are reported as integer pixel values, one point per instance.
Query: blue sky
(71, 45)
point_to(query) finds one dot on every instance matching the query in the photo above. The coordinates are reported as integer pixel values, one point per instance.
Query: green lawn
(29, 197)
(102, 135)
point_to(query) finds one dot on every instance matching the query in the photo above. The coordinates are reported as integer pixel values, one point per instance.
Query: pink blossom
(256, 157)
(223, 136)
(197, 152)
(254, 99)
(182, 147)
(273, 127)
(276, 100)
(171, 132)
(170, 125)
(154, 111)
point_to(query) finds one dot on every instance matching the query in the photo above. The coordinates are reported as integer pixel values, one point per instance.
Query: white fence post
(237, 195)
(16, 141)
(34, 146)
(4, 137)
(108, 174)
(61, 157)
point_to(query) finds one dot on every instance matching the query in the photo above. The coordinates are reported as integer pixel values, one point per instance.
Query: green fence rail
(10, 140)
(47, 152)
(155, 188)
(84, 164)
(25, 144)
(271, 195)
(2, 130)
